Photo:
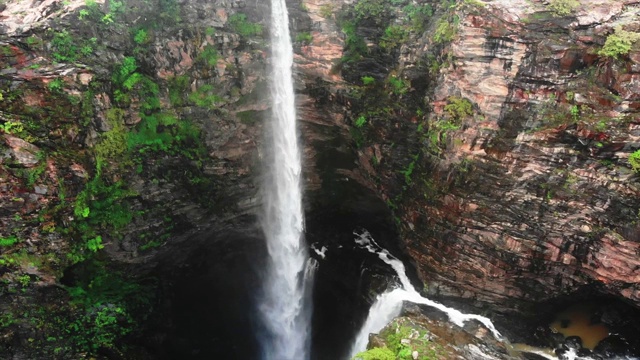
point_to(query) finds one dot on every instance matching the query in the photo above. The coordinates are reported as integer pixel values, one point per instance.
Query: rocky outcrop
(538, 198)
(428, 333)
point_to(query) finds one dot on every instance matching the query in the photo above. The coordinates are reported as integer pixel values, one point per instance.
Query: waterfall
(284, 305)
(389, 304)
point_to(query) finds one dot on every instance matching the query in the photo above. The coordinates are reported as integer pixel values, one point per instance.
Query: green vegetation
(634, 160)
(563, 7)
(418, 15)
(12, 127)
(619, 43)
(304, 37)
(66, 49)
(446, 30)
(376, 11)
(398, 86)
(8, 241)
(326, 10)
(205, 97)
(113, 143)
(163, 132)
(477, 3)
(360, 121)
(240, 25)
(354, 45)
(458, 108)
(141, 37)
(408, 171)
(178, 87)
(402, 337)
(108, 306)
(376, 354)
(368, 80)
(83, 13)
(208, 57)
(98, 207)
(394, 36)
(55, 85)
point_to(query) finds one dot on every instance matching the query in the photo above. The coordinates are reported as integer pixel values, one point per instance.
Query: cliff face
(125, 127)
(541, 200)
(497, 133)
(500, 135)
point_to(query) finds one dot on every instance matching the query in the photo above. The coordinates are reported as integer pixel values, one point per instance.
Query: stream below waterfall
(573, 322)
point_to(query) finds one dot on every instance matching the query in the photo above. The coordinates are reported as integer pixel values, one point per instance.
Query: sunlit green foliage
(619, 43)
(100, 206)
(634, 160)
(67, 49)
(12, 127)
(8, 241)
(563, 7)
(368, 80)
(397, 349)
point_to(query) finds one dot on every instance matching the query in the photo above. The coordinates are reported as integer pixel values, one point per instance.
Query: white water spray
(284, 307)
(389, 304)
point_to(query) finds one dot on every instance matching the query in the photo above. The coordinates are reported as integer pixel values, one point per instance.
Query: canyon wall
(497, 136)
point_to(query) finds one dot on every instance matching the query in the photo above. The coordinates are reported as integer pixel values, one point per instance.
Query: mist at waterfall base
(284, 303)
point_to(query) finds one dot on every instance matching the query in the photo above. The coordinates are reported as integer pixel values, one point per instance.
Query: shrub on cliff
(242, 26)
(634, 160)
(458, 108)
(563, 7)
(376, 11)
(619, 43)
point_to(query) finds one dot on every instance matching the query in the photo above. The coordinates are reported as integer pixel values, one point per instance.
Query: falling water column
(284, 307)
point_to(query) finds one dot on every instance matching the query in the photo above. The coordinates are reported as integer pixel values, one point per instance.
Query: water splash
(285, 305)
(389, 304)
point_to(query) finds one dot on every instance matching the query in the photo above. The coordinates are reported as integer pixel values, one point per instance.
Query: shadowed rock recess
(494, 146)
